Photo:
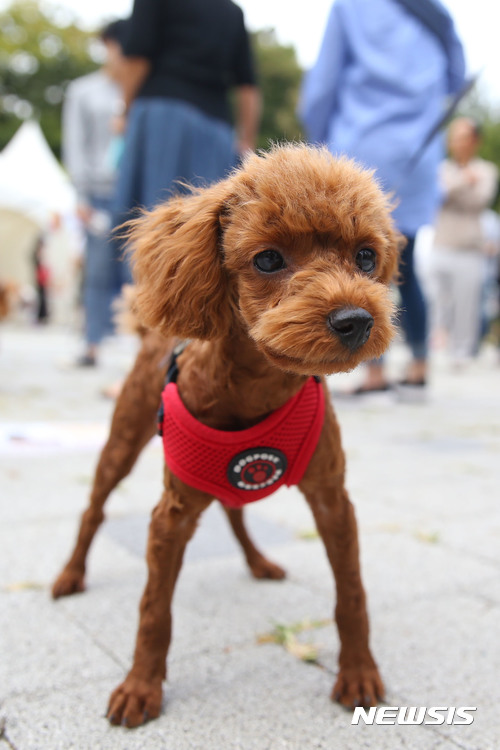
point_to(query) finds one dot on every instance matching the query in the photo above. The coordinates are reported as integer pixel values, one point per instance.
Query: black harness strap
(171, 377)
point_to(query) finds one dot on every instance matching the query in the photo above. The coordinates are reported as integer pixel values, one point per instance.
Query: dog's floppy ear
(182, 289)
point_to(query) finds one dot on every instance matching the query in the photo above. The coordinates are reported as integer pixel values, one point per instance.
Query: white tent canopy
(31, 179)
(37, 198)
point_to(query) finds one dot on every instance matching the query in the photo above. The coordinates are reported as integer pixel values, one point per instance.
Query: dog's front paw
(69, 582)
(261, 568)
(358, 686)
(134, 702)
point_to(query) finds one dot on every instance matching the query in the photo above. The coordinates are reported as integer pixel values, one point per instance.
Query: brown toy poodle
(277, 275)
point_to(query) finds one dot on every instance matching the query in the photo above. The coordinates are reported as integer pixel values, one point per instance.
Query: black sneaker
(363, 390)
(86, 360)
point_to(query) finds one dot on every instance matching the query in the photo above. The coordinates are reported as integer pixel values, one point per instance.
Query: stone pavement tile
(258, 698)
(437, 652)
(286, 507)
(478, 536)
(423, 488)
(396, 568)
(34, 553)
(42, 649)
(229, 606)
(213, 537)
(58, 485)
(415, 488)
(241, 607)
(428, 487)
(44, 487)
(444, 652)
(53, 394)
(489, 590)
(424, 482)
(70, 720)
(463, 425)
(264, 699)
(423, 506)
(216, 606)
(399, 569)
(108, 612)
(31, 552)
(306, 564)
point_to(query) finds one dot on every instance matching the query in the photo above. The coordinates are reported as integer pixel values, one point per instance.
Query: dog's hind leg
(259, 565)
(358, 682)
(132, 426)
(173, 523)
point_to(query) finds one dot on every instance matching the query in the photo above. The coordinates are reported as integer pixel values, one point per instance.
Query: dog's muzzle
(352, 325)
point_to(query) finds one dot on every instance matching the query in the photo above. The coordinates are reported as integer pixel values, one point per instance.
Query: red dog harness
(247, 465)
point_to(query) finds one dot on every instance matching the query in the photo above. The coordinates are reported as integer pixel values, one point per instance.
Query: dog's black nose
(352, 325)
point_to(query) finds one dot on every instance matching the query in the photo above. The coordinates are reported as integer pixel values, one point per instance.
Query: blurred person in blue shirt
(378, 87)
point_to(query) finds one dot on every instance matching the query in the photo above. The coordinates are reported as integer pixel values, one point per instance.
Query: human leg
(467, 275)
(97, 280)
(413, 316)
(441, 304)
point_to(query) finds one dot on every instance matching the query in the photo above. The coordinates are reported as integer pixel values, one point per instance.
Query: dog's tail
(125, 315)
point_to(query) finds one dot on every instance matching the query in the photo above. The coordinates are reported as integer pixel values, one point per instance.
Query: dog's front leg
(173, 523)
(358, 681)
(132, 426)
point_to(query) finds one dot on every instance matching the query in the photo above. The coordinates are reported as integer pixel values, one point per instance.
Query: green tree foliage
(280, 76)
(40, 52)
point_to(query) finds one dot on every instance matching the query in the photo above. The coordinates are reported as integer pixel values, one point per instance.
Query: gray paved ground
(425, 481)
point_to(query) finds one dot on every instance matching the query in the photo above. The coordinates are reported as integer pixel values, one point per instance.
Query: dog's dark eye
(269, 261)
(366, 260)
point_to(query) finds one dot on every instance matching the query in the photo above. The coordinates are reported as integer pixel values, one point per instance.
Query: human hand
(471, 176)
(84, 213)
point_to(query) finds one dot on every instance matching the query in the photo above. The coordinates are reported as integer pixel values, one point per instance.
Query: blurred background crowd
(96, 122)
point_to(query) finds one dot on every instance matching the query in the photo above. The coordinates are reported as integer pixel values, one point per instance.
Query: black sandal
(362, 389)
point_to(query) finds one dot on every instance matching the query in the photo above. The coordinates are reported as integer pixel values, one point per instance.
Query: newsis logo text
(414, 715)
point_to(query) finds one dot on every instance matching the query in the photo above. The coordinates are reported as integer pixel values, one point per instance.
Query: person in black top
(198, 49)
(182, 60)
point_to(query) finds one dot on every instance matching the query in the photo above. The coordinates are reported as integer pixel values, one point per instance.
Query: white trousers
(456, 297)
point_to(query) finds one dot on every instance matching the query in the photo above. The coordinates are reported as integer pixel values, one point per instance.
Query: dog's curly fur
(255, 338)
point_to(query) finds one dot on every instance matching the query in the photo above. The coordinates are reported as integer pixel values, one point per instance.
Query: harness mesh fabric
(247, 465)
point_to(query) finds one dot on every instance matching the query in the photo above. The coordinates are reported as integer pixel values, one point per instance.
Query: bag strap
(434, 18)
(438, 21)
(443, 120)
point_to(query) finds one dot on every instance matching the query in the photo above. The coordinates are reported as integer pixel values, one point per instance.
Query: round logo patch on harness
(256, 468)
